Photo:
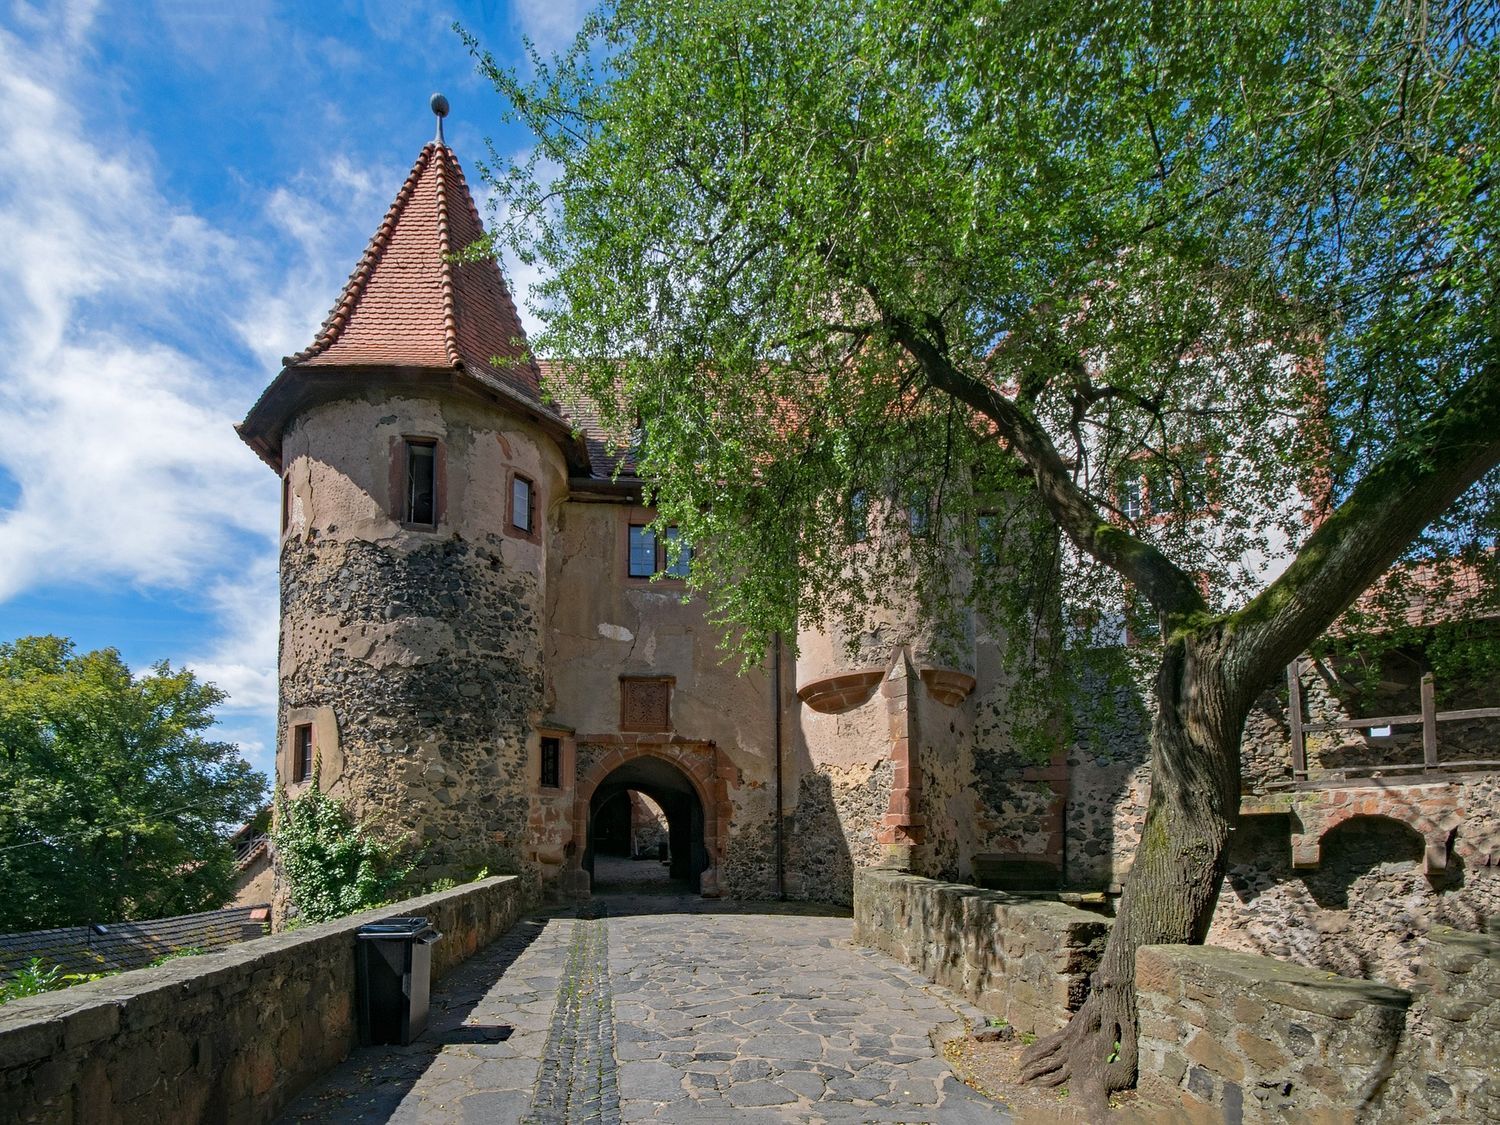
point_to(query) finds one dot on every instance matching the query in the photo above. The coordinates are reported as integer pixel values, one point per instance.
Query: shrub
(334, 865)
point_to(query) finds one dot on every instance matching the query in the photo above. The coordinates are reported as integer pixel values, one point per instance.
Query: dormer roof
(411, 315)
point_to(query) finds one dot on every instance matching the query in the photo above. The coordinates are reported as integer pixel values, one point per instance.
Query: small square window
(302, 752)
(522, 504)
(551, 763)
(421, 483)
(642, 551)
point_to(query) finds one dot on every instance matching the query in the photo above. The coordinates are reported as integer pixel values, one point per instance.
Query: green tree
(116, 806)
(1195, 286)
(334, 865)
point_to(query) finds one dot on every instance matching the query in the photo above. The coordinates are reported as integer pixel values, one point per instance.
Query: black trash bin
(394, 966)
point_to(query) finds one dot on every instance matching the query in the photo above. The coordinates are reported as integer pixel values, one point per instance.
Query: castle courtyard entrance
(622, 850)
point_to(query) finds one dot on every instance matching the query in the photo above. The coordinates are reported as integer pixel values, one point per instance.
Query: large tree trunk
(1173, 885)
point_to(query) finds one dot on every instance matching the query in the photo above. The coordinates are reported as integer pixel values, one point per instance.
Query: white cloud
(246, 603)
(551, 24)
(123, 314)
(124, 452)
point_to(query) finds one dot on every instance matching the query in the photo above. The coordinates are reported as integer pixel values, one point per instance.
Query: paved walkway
(666, 1009)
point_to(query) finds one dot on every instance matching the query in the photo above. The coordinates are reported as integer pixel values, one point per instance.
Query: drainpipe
(776, 740)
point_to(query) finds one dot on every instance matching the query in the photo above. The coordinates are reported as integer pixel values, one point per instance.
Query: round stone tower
(419, 472)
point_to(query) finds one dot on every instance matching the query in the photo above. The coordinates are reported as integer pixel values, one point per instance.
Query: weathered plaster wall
(601, 625)
(425, 644)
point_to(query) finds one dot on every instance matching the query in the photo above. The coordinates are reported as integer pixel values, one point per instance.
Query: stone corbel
(833, 694)
(946, 685)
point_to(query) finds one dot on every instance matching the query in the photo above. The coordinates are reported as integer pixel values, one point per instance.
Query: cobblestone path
(666, 1009)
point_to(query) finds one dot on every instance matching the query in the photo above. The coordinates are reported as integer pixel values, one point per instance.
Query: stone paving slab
(671, 1009)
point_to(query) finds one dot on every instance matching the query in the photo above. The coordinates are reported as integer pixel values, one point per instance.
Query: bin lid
(393, 928)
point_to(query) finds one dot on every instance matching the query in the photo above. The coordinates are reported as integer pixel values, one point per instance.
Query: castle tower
(419, 470)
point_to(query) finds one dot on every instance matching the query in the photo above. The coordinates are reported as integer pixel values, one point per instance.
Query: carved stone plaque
(645, 705)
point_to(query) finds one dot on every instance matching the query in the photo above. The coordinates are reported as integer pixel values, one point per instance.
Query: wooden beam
(1429, 723)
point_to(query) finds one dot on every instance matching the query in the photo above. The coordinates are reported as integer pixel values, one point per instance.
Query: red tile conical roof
(407, 304)
(411, 316)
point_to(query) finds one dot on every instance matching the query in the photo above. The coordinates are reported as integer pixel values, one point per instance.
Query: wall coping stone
(1293, 986)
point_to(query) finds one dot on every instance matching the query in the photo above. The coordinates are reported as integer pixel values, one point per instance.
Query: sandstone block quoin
(226, 1037)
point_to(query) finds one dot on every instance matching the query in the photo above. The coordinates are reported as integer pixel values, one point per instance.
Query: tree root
(1095, 1053)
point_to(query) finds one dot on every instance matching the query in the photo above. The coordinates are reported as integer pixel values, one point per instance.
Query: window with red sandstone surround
(551, 763)
(421, 482)
(522, 504)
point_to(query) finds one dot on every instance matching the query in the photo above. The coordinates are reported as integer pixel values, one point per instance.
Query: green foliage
(334, 865)
(34, 980)
(1224, 257)
(117, 807)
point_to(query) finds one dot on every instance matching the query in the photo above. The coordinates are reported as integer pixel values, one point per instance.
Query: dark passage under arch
(670, 788)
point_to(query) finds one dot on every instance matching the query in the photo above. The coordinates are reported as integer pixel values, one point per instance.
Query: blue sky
(184, 186)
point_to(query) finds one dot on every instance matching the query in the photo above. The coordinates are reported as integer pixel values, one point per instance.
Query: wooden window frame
(533, 533)
(637, 517)
(303, 757)
(400, 481)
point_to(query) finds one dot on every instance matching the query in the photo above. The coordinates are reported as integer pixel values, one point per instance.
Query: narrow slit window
(551, 763)
(989, 539)
(918, 513)
(421, 482)
(522, 505)
(302, 752)
(286, 501)
(642, 551)
(859, 516)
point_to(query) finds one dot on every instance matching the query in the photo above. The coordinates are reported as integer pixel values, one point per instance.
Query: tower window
(522, 504)
(302, 752)
(918, 512)
(551, 763)
(286, 501)
(421, 482)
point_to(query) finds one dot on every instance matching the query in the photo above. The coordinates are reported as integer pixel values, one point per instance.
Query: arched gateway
(682, 778)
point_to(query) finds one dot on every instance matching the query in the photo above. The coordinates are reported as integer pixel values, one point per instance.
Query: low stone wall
(1235, 1037)
(1450, 1059)
(224, 1037)
(1025, 960)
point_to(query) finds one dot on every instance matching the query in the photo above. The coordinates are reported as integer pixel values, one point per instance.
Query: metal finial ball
(439, 105)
